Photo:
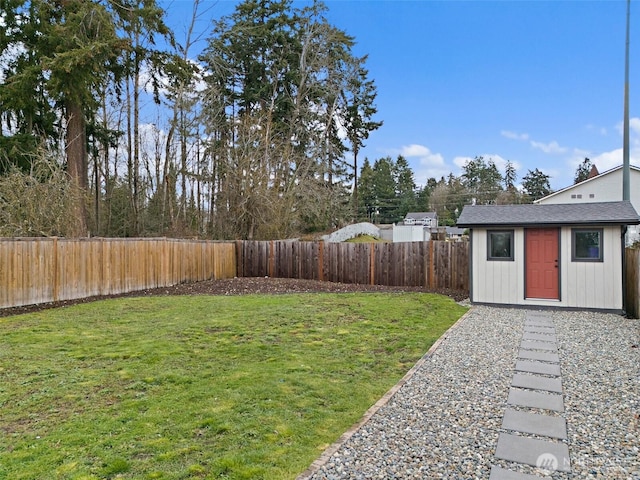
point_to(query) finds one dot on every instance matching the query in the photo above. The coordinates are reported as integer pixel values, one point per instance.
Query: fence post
(55, 270)
(321, 261)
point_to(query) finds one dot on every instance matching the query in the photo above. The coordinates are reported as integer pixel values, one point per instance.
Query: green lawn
(201, 387)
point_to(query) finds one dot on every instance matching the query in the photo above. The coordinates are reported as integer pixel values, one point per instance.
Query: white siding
(593, 284)
(410, 233)
(596, 285)
(497, 281)
(604, 188)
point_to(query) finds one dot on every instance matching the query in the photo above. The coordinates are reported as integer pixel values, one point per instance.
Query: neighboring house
(567, 255)
(428, 219)
(455, 233)
(603, 187)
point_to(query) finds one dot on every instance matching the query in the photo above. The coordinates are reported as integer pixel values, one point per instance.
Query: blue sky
(539, 83)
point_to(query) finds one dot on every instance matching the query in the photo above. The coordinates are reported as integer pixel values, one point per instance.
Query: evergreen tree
(405, 187)
(482, 180)
(273, 110)
(536, 184)
(510, 176)
(582, 172)
(367, 197)
(66, 51)
(359, 98)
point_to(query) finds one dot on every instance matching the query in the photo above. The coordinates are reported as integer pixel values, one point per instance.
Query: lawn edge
(334, 447)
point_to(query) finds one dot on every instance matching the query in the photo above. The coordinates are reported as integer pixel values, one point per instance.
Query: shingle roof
(603, 213)
(420, 215)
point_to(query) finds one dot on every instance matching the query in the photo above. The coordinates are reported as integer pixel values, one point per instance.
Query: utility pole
(626, 189)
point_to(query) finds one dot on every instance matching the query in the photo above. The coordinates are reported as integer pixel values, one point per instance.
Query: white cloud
(605, 160)
(599, 130)
(500, 162)
(552, 147)
(461, 161)
(514, 135)
(424, 163)
(634, 125)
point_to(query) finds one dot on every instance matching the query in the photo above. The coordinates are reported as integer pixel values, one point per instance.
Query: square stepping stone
(538, 367)
(550, 456)
(538, 314)
(536, 345)
(543, 425)
(543, 318)
(535, 382)
(542, 356)
(533, 399)
(539, 328)
(498, 473)
(543, 337)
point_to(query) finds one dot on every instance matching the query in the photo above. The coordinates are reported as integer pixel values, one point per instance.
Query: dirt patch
(243, 286)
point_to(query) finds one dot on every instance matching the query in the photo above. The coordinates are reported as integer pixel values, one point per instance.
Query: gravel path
(445, 420)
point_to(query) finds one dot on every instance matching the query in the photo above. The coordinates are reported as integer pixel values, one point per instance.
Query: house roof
(420, 215)
(602, 213)
(590, 179)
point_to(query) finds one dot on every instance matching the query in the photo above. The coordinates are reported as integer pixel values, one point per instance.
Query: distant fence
(632, 283)
(40, 270)
(432, 265)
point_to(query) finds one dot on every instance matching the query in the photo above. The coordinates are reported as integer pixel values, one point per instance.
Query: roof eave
(551, 224)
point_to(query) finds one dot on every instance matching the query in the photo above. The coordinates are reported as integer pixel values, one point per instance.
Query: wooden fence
(632, 282)
(41, 270)
(50, 269)
(435, 264)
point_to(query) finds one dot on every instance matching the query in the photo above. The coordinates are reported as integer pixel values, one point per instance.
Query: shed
(550, 255)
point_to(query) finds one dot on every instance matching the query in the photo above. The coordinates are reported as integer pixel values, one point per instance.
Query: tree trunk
(76, 150)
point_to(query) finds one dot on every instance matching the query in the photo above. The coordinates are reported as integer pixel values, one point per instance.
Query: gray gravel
(443, 423)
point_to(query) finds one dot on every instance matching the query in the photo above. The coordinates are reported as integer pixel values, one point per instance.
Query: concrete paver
(537, 345)
(533, 399)
(543, 425)
(543, 337)
(538, 367)
(535, 355)
(530, 451)
(536, 382)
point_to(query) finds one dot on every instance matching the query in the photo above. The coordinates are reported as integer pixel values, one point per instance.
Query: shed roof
(602, 213)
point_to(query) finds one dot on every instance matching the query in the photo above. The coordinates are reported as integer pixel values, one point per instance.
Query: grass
(201, 387)
(366, 239)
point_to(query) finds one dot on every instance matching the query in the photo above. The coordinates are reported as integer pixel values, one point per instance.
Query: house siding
(593, 285)
(606, 187)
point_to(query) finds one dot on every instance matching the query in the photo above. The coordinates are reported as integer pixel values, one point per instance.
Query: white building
(604, 187)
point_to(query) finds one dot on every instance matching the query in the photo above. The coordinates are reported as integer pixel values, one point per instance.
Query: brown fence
(433, 264)
(40, 270)
(50, 269)
(632, 283)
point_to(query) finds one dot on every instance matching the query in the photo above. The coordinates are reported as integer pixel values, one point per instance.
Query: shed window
(500, 245)
(586, 245)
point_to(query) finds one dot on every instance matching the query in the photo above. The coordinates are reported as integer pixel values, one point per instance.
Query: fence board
(39, 270)
(632, 283)
(44, 270)
(429, 264)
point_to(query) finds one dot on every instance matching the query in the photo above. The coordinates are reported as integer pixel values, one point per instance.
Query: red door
(541, 269)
